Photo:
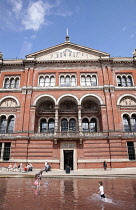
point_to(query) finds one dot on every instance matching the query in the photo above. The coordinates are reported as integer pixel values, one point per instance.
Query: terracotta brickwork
(85, 111)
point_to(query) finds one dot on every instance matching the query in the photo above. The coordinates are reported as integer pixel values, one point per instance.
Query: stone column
(2, 151)
(79, 119)
(56, 118)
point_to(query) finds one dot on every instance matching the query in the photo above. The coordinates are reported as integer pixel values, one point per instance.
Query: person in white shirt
(101, 190)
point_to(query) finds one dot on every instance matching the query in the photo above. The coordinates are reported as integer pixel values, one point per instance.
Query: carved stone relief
(8, 103)
(128, 101)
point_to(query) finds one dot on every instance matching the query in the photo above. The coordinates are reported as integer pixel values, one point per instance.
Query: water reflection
(60, 194)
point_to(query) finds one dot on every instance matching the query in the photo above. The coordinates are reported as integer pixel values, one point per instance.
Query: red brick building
(68, 104)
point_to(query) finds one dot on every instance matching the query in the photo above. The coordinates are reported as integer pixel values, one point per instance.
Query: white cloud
(124, 28)
(35, 15)
(17, 6)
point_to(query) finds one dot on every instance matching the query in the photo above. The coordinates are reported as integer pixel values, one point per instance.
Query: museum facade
(68, 105)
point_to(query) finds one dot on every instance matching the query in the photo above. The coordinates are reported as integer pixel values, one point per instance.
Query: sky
(27, 26)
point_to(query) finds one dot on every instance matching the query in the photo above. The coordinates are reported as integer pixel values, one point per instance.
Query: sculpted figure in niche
(47, 105)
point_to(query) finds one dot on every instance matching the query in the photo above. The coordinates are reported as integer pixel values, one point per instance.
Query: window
(93, 125)
(131, 150)
(7, 125)
(72, 125)
(88, 80)
(129, 123)
(67, 80)
(64, 125)
(47, 127)
(47, 80)
(85, 125)
(5, 151)
(11, 82)
(43, 126)
(126, 122)
(89, 126)
(51, 125)
(124, 81)
(68, 125)
(3, 124)
(10, 126)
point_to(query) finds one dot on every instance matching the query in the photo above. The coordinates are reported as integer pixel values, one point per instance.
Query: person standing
(105, 165)
(101, 190)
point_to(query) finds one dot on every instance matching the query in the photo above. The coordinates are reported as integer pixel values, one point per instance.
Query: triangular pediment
(67, 51)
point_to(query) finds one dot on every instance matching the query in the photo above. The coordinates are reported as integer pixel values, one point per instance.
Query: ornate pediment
(67, 51)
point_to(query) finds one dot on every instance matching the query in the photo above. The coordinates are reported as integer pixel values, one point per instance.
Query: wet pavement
(87, 173)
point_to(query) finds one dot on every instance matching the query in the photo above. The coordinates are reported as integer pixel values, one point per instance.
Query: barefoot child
(101, 190)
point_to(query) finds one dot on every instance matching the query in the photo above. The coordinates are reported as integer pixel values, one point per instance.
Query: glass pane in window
(47, 81)
(6, 153)
(93, 125)
(82, 80)
(51, 126)
(12, 83)
(67, 80)
(119, 81)
(10, 127)
(73, 81)
(129, 81)
(133, 123)
(3, 124)
(85, 125)
(41, 81)
(64, 125)
(52, 79)
(43, 126)
(124, 82)
(88, 80)
(126, 123)
(17, 83)
(6, 84)
(62, 81)
(94, 80)
(72, 125)
(131, 150)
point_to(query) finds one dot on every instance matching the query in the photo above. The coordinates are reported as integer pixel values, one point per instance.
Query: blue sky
(28, 26)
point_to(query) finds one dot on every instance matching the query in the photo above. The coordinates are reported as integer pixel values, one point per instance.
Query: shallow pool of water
(67, 193)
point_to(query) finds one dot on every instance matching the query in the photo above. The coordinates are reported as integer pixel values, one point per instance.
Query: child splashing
(101, 190)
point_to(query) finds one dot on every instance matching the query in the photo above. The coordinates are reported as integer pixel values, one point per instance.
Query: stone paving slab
(88, 173)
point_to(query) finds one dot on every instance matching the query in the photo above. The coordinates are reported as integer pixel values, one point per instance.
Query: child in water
(36, 182)
(101, 190)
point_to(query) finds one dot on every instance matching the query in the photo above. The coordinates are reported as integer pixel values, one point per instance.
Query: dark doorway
(68, 159)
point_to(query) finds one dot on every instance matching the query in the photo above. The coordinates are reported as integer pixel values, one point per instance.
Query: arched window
(47, 81)
(3, 124)
(85, 125)
(88, 80)
(64, 125)
(72, 125)
(133, 122)
(119, 81)
(41, 81)
(82, 80)
(6, 84)
(126, 123)
(10, 127)
(52, 81)
(62, 81)
(129, 81)
(94, 80)
(51, 125)
(73, 81)
(124, 81)
(17, 83)
(12, 83)
(67, 80)
(43, 126)
(93, 125)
